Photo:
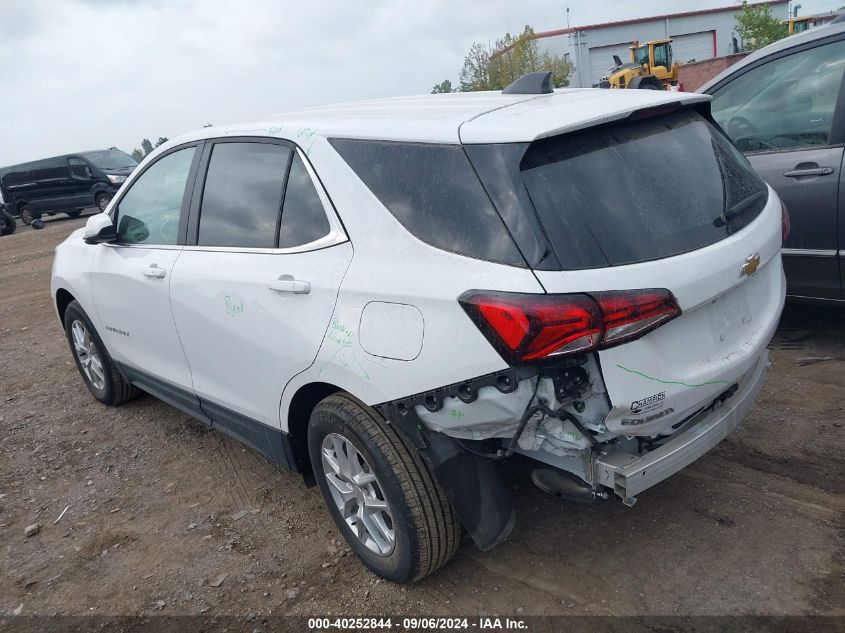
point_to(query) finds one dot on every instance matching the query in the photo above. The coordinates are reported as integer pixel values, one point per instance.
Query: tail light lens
(526, 327)
(786, 224)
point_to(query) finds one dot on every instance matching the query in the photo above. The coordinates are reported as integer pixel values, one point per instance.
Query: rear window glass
(303, 216)
(242, 197)
(434, 192)
(640, 191)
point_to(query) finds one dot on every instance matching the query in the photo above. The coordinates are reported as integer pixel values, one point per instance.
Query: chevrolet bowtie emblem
(749, 267)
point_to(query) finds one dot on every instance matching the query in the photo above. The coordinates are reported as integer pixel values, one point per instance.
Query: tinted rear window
(639, 191)
(434, 192)
(242, 197)
(303, 216)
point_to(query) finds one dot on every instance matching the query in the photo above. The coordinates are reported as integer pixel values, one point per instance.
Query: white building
(697, 35)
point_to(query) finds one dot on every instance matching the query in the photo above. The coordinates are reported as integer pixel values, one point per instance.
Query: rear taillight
(786, 225)
(528, 327)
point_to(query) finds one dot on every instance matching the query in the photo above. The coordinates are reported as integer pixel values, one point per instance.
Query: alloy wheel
(358, 494)
(88, 355)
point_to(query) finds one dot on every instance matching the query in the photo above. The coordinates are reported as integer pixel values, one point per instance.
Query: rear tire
(8, 225)
(74, 214)
(92, 359)
(425, 532)
(102, 201)
(26, 214)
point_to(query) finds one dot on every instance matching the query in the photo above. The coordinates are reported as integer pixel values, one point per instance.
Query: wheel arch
(63, 300)
(298, 415)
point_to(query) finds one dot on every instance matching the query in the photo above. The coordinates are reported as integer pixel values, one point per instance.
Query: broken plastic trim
(506, 381)
(472, 482)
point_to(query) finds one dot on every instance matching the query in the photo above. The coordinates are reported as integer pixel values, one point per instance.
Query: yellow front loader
(799, 25)
(651, 68)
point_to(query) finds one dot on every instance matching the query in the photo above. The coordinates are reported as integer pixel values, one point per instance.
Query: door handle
(804, 173)
(155, 272)
(286, 283)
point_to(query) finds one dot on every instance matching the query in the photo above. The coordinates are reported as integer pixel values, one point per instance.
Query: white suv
(393, 296)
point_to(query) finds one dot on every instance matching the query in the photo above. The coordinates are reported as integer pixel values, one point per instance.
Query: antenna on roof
(538, 83)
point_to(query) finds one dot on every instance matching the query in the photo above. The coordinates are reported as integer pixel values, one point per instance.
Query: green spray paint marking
(671, 382)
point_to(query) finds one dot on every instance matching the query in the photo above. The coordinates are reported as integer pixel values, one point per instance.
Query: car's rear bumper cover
(628, 475)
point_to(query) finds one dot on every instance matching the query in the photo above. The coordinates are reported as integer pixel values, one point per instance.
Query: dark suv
(784, 107)
(64, 184)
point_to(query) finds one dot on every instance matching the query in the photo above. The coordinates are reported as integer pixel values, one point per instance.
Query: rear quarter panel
(391, 266)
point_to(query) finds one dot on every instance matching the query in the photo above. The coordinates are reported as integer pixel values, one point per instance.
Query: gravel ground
(143, 511)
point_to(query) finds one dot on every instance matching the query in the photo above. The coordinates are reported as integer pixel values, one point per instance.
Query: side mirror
(99, 229)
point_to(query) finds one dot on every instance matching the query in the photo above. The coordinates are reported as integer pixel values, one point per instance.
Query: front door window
(79, 169)
(149, 212)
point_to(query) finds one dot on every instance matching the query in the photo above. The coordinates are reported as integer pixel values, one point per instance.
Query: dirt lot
(154, 520)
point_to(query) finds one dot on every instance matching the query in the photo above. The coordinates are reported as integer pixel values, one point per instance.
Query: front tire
(102, 201)
(25, 212)
(379, 492)
(92, 359)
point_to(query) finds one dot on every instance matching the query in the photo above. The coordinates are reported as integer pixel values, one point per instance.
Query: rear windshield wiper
(743, 205)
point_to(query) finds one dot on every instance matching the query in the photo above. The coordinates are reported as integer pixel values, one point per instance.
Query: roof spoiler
(538, 83)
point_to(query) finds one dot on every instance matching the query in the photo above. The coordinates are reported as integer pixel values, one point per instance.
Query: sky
(90, 74)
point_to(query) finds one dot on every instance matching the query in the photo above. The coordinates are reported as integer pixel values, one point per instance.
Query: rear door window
(639, 191)
(242, 197)
(433, 191)
(303, 215)
(51, 170)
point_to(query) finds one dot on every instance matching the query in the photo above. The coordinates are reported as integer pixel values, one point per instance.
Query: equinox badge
(749, 267)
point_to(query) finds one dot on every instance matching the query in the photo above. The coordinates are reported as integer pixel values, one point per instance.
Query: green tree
(147, 147)
(161, 140)
(475, 74)
(758, 27)
(511, 57)
(138, 155)
(443, 87)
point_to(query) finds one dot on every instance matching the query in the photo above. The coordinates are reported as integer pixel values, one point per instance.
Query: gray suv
(784, 107)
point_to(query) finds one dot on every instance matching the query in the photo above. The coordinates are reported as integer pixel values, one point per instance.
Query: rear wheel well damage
(63, 299)
(440, 424)
(299, 414)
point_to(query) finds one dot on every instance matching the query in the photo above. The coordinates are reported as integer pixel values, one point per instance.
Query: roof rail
(538, 83)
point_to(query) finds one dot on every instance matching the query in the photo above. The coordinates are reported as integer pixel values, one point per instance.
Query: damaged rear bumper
(471, 480)
(628, 475)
